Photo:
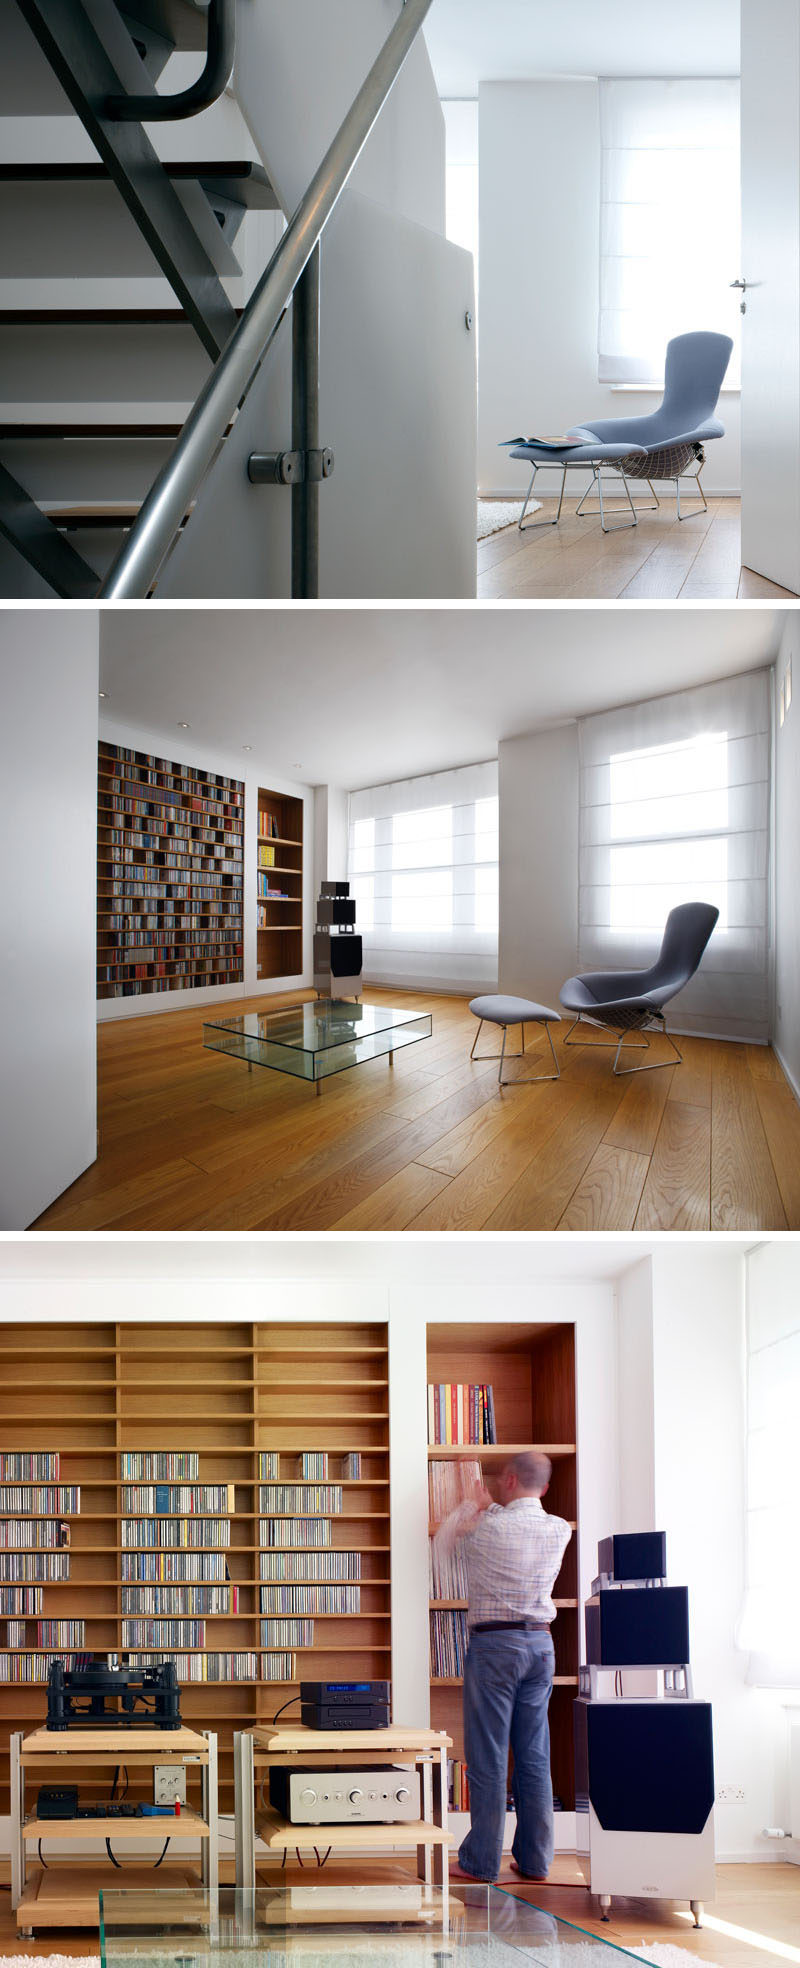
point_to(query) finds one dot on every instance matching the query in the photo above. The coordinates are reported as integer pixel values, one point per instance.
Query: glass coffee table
(314, 1040)
(337, 1926)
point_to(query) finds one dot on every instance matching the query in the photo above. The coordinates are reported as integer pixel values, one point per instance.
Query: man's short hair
(532, 1470)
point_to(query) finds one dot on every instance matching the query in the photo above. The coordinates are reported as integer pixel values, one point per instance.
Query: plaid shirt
(513, 1556)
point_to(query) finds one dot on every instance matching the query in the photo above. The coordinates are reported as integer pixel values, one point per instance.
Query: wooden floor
(661, 559)
(190, 1140)
(762, 1900)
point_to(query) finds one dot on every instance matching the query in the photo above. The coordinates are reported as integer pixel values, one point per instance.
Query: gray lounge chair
(666, 444)
(631, 1000)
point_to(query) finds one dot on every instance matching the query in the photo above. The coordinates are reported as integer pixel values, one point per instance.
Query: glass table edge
(403, 1020)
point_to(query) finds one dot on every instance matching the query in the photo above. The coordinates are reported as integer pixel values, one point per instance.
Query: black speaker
(633, 1555)
(346, 956)
(645, 1766)
(644, 1627)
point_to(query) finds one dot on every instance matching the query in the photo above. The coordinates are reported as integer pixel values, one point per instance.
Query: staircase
(163, 430)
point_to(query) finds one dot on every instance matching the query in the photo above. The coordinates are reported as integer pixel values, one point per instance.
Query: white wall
(539, 147)
(771, 1281)
(255, 772)
(786, 768)
(538, 943)
(637, 1510)
(699, 1497)
(330, 835)
(48, 772)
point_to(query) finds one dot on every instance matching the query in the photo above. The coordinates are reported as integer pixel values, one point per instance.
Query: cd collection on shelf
(29, 1466)
(448, 1644)
(217, 1600)
(177, 1499)
(176, 1533)
(170, 875)
(204, 1667)
(317, 1565)
(35, 1508)
(461, 1412)
(160, 1465)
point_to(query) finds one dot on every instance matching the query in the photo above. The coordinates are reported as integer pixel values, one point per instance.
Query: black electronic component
(344, 1704)
(57, 1803)
(82, 1695)
(633, 1555)
(645, 1765)
(346, 956)
(638, 1628)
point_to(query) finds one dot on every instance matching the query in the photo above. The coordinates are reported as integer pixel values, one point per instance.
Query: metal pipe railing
(200, 94)
(169, 498)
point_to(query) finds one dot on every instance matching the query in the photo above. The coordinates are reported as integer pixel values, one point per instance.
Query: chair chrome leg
(697, 510)
(502, 1056)
(534, 523)
(532, 1079)
(476, 1038)
(630, 501)
(656, 1065)
(579, 512)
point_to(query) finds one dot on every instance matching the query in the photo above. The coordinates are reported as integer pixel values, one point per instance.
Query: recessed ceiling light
(297, 765)
(184, 727)
(102, 693)
(247, 748)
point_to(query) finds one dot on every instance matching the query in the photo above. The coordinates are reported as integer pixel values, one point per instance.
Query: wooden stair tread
(240, 179)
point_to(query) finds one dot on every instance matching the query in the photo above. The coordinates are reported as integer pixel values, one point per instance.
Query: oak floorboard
(190, 1141)
(780, 1115)
(756, 587)
(677, 1190)
(607, 1196)
(664, 559)
(744, 1189)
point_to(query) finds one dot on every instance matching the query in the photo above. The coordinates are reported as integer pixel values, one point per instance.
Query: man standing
(513, 1552)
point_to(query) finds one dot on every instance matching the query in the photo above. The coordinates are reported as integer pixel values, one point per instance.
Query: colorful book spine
(21, 1599)
(448, 1633)
(459, 1413)
(269, 1465)
(177, 1499)
(351, 1466)
(176, 1567)
(61, 1633)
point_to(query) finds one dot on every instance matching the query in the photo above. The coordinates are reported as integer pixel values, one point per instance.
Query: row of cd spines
(17, 1670)
(172, 1465)
(179, 1567)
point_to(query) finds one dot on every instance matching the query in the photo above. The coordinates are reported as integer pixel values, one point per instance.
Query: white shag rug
(493, 516)
(50, 1960)
(559, 1954)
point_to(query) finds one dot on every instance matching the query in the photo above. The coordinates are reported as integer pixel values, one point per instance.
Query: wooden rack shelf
(279, 942)
(170, 875)
(90, 1424)
(531, 1369)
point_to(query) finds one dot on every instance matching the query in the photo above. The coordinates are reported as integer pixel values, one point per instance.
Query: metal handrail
(200, 94)
(169, 498)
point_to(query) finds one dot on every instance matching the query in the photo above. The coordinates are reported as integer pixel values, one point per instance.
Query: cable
(289, 1704)
(42, 1861)
(114, 1862)
(161, 1855)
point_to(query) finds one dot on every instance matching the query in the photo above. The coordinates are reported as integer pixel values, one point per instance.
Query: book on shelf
(181, 1599)
(178, 1499)
(313, 1465)
(461, 1412)
(339, 1599)
(29, 1465)
(457, 1784)
(315, 1498)
(176, 1532)
(310, 1565)
(351, 1466)
(269, 1465)
(160, 1465)
(450, 1483)
(448, 1644)
(287, 1633)
(268, 824)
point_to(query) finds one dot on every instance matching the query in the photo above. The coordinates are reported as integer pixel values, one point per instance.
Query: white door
(771, 262)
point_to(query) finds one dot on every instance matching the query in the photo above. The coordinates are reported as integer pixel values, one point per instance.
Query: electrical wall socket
(730, 1793)
(169, 1784)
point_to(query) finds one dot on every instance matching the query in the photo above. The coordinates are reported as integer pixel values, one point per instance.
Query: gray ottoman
(498, 1010)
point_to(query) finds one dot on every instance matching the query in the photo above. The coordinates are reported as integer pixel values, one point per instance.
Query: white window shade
(669, 221)
(674, 807)
(424, 872)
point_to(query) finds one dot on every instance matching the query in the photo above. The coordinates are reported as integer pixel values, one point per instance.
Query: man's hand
(481, 1497)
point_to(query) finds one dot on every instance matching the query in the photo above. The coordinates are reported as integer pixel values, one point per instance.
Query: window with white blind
(669, 221)
(674, 807)
(770, 1626)
(423, 869)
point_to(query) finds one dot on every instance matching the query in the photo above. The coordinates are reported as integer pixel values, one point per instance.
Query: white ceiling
(472, 41)
(355, 697)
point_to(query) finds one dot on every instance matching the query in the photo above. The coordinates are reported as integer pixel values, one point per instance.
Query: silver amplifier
(381, 1795)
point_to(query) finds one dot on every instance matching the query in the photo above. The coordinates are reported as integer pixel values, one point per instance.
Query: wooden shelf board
(439, 1605)
(188, 1825)
(292, 1739)
(457, 1681)
(275, 1832)
(449, 1451)
(67, 1896)
(75, 1743)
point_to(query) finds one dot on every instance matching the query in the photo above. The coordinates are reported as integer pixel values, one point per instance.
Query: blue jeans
(507, 1682)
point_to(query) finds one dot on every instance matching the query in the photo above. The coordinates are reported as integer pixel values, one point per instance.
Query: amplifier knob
(402, 1795)
(356, 1796)
(308, 1797)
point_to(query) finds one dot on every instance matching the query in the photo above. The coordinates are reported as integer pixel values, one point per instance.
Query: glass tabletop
(316, 1039)
(340, 1926)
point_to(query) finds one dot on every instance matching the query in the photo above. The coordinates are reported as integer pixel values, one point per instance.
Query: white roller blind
(423, 869)
(669, 221)
(770, 1628)
(674, 807)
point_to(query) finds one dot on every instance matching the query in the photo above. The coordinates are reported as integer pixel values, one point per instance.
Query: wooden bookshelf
(230, 1392)
(279, 916)
(170, 875)
(531, 1369)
